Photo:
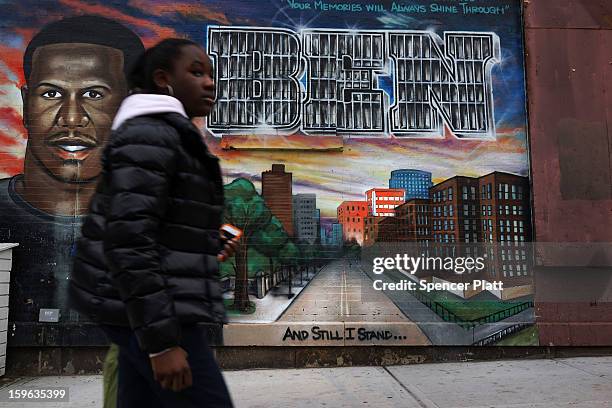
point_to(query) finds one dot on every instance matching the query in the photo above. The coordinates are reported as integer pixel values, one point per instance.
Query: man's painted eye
(52, 94)
(92, 94)
(197, 73)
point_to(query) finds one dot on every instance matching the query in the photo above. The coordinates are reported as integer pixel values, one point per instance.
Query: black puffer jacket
(147, 255)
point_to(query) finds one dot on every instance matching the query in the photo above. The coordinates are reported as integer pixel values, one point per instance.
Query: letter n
(435, 87)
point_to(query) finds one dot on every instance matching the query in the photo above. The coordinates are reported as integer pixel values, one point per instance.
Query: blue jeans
(138, 388)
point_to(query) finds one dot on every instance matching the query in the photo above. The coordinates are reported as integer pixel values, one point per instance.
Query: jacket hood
(146, 104)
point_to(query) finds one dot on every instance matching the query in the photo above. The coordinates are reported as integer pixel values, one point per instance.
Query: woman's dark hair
(160, 56)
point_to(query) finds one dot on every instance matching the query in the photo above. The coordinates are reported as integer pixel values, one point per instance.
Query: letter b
(256, 73)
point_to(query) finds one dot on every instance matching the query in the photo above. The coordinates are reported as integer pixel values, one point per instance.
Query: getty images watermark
(410, 265)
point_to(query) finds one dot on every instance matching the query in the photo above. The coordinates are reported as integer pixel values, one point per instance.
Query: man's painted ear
(24, 102)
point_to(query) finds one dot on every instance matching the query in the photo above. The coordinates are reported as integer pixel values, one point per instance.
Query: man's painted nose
(73, 121)
(72, 115)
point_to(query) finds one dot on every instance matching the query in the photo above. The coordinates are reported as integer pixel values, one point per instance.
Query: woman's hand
(229, 247)
(172, 370)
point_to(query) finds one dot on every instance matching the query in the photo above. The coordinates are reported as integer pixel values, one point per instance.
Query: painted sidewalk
(574, 382)
(271, 307)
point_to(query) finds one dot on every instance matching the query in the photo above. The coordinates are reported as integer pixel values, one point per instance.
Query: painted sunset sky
(334, 176)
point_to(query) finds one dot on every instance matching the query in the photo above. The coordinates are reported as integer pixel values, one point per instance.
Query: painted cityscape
(326, 261)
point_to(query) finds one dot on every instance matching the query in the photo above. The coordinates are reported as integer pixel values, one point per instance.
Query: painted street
(342, 293)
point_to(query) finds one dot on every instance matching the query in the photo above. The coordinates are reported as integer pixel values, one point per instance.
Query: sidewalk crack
(580, 369)
(414, 392)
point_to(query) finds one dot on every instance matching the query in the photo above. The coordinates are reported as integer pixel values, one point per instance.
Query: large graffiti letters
(327, 81)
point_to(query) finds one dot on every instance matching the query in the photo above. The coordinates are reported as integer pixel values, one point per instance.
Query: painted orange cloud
(150, 32)
(191, 10)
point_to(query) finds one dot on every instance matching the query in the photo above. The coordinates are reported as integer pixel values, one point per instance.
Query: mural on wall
(348, 132)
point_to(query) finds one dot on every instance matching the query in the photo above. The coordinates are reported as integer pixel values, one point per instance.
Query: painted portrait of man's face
(73, 92)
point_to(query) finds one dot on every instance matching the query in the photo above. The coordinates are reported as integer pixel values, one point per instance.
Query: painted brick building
(276, 189)
(370, 230)
(505, 220)
(454, 220)
(388, 229)
(414, 221)
(454, 201)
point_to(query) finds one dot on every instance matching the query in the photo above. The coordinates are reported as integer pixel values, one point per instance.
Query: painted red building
(382, 201)
(351, 215)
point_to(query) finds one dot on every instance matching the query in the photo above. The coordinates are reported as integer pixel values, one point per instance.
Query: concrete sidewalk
(573, 382)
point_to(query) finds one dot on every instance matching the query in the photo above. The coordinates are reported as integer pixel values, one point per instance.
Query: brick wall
(569, 76)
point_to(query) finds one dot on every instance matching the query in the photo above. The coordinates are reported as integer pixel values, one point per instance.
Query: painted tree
(270, 240)
(310, 257)
(256, 262)
(245, 209)
(306, 256)
(352, 249)
(288, 255)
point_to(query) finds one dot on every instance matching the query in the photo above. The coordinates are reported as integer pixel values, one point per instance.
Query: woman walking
(147, 263)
